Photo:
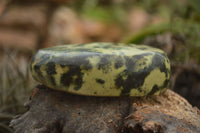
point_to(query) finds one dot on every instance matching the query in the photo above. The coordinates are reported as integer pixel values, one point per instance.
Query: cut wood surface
(51, 111)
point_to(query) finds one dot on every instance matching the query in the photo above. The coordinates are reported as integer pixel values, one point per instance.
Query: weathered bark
(167, 113)
(51, 111)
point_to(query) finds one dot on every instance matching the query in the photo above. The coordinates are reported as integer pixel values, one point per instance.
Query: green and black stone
(103, 69)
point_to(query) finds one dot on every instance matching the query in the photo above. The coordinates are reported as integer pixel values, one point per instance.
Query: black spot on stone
(78, 82)
(50, 69)
(52, 79)
(138, 57)
(62, 65)
(76, 64)
(130, 63)
(118, 63)
(77, 61)
(154, 90)
(165, 83)
(159, 61)
(67, 78)
(134, 79)
(104, 63)
(42, 60)
(100, 81)
(164, 86)
(37, 70)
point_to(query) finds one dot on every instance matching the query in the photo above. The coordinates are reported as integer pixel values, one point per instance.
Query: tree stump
(51, 111)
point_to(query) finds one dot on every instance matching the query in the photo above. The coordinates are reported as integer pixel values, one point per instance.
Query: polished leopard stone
(103, 69)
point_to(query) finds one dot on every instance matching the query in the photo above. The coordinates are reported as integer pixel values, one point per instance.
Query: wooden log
(167, 113)
(51, 111)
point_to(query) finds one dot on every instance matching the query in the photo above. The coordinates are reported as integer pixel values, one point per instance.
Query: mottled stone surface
(114, 69)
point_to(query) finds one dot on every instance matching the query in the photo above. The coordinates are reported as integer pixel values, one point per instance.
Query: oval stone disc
(103, 69)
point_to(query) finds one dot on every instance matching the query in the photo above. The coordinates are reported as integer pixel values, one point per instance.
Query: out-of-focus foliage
(183, 21)
(15, 86)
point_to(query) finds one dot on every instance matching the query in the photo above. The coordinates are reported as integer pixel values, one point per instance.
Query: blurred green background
(28, 25)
